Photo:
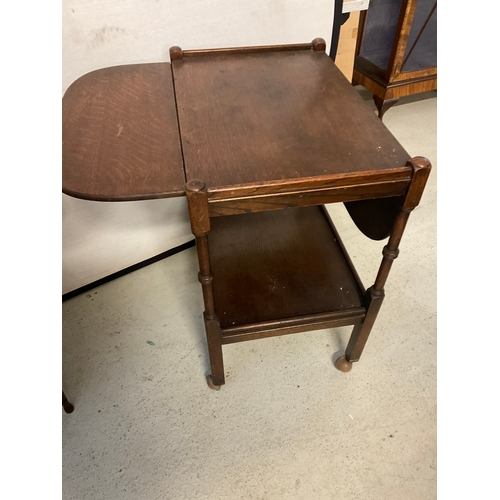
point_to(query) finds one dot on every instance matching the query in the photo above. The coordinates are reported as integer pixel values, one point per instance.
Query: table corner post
(197, 198)
(421, 167)
(421, 170)
(319, 45)
(176, 53)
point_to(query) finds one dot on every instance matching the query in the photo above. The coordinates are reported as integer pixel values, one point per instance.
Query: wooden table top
(257, 117)
(120, 135)
(249, 120)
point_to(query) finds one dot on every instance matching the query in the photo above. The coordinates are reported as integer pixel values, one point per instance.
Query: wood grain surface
(252, 118)
(120, 135)
(276, 265)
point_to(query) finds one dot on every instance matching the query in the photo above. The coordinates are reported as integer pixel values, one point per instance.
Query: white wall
(102, 238)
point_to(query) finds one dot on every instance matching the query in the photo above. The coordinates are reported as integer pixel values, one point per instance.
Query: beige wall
(102, 238)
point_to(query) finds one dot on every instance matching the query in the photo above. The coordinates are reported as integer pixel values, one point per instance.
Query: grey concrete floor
(287, 424)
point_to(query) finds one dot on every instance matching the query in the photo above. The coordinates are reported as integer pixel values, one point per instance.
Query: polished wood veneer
(256, 120)
(276, 265)
(120, 135)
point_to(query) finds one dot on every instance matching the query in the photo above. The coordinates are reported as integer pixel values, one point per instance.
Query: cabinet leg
(214, 340)
(383, 104)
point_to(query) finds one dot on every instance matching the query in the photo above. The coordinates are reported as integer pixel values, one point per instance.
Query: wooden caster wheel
(211, 384)
(343, 365)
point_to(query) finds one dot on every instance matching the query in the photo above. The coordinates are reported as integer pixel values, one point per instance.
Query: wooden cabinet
(396, 53)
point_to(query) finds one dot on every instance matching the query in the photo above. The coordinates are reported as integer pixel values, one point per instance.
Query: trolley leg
(200, 225)
(375, 294)
(214, 340)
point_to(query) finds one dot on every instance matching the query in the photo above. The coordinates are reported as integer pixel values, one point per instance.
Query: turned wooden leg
(68, 407)
(200, 225)
(375, 294)
(360, 332)
(383, 104)
(214, 340)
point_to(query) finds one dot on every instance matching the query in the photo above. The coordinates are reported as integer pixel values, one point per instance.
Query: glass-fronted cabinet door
(396, 51)
(379, 32)
(420, 51)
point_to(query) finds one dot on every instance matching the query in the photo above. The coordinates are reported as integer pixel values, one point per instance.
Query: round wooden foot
(211, 384)
(343, 365)
(68, 407)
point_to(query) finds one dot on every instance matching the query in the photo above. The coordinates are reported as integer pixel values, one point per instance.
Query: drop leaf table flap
(120, 135)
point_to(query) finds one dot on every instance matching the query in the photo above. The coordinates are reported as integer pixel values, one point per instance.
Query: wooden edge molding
(307, 183)
(123, 197)
(318, 44)
(241, 333)
(277, 201)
